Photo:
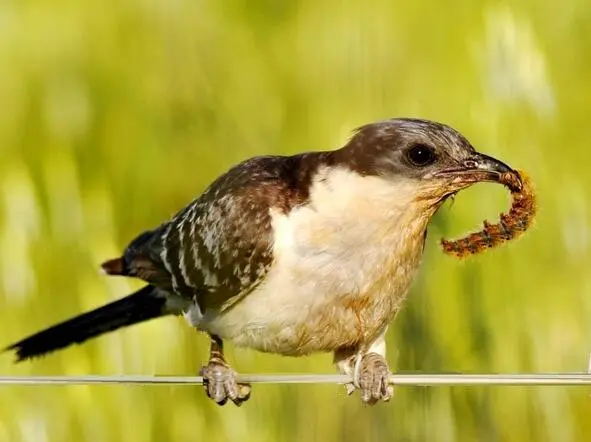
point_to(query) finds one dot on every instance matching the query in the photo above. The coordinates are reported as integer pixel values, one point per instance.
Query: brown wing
(219, 248)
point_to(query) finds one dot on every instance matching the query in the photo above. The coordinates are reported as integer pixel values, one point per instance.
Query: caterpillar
(511, 224)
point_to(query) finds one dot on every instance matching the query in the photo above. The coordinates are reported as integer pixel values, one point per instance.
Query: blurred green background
(113, 116)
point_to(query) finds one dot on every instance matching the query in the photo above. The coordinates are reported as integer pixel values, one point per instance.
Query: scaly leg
(369, 370)
(219, 380)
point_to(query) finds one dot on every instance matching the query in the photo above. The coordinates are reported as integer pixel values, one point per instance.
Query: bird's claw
(372, 378)
(219, 382)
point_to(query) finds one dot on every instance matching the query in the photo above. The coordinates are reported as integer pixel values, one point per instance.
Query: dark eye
(421, 155)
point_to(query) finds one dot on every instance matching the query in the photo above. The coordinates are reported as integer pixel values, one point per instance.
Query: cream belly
(299, 319)
(339, 275)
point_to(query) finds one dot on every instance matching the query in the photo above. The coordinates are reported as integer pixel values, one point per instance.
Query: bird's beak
(480, 167)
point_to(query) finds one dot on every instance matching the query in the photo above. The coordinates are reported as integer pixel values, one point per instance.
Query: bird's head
(430, 158)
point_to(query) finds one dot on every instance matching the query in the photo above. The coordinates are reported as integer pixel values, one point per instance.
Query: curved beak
(480, 167)
(491, 165)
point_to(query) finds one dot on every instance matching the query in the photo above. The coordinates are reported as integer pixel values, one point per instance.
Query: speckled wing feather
(219, 248)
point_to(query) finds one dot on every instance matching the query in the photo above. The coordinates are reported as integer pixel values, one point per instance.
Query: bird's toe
(219, 382)
(373, 379)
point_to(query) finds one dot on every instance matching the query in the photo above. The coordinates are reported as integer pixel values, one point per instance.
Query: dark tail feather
(140, 306)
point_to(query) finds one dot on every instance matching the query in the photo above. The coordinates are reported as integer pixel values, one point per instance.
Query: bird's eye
(421, 155)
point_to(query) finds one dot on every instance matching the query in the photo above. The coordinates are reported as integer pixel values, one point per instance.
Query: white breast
(343, 264)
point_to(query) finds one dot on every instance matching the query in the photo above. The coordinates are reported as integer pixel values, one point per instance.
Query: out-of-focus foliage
(113, 116)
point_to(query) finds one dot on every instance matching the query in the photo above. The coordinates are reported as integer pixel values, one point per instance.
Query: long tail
(147, 303)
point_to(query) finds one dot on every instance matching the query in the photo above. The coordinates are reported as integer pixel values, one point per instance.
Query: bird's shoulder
(219, 247)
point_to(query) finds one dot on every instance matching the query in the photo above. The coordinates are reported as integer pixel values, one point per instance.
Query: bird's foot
(371, 377)
(219, 382)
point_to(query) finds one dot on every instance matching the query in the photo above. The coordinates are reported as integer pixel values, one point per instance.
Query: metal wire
(550, 379)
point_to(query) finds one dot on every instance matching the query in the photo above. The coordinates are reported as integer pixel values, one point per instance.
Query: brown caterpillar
(510, 226)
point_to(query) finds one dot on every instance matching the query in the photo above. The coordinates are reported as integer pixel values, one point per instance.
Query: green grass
(112, 117)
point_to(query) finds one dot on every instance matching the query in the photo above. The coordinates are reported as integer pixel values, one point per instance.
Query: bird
(294, 255)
